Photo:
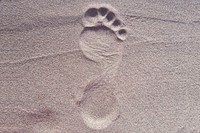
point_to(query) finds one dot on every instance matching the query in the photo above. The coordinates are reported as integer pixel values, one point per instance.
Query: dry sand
(83, 66)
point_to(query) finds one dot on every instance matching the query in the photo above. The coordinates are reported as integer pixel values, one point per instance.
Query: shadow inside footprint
(92, 12)
(110, 16)
(122, 32)
(116, 22)
(97, 28)
(103, 11)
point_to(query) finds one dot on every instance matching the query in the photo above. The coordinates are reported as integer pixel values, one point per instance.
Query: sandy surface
(57, 76)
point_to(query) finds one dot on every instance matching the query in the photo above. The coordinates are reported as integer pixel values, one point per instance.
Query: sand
(130, 66)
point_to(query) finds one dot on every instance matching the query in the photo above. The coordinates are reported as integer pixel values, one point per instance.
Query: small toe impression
(116, 25)
(103, 11)
(110, 16)
(122, 34)
(90, 18)
(117, 22)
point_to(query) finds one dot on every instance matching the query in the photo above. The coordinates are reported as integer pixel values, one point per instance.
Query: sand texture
(97, 66)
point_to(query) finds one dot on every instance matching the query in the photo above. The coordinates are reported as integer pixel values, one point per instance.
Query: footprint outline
(103, 23)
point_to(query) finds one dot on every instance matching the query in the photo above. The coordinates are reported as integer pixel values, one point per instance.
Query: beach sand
(114, 66)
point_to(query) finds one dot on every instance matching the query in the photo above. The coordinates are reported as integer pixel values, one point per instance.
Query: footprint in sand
(102, 36)
(101, 41)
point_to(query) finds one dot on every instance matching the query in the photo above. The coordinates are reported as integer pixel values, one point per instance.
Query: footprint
(102, 36)
(99, 106)
(101, 41)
